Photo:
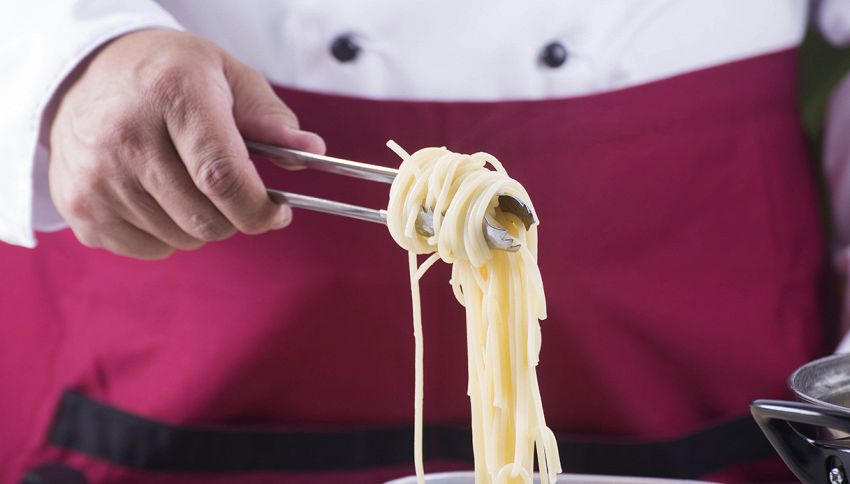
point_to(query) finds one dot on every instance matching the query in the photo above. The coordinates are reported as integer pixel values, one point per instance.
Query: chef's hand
(146, 150)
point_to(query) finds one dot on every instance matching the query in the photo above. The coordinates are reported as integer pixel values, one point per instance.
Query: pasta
(502, 293)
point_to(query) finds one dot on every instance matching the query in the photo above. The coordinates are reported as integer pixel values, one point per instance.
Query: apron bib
(681, 251)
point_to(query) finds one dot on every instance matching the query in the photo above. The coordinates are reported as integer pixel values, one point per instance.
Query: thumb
(261, 116)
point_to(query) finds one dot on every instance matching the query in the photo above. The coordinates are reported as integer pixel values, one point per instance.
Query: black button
(554, 54)
(344, 49)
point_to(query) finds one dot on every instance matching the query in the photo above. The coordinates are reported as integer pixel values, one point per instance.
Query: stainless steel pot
(469, 478)
(811, 436)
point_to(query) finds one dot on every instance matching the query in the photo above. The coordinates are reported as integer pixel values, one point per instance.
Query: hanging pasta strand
(502, 294)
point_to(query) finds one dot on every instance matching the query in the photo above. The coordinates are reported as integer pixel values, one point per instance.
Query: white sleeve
(833, 19)
(40, 45)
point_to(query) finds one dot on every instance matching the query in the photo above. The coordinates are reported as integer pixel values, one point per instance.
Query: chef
(187, 329)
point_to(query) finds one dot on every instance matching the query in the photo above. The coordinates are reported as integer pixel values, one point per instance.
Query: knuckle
(169, 91)
(166, 82)
(217, 176)
(87, 236)
(78, 205)
(88, 195)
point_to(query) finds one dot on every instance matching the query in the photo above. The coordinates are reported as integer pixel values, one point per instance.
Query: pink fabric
(680, 246)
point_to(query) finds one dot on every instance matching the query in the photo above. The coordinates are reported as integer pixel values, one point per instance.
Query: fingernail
(284, 217)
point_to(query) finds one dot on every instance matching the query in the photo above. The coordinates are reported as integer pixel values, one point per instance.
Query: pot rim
(804, 374)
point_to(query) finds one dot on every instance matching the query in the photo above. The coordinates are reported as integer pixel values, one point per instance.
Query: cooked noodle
(504, 300)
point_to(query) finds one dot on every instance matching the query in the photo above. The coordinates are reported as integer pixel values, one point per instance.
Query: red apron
(681, 251)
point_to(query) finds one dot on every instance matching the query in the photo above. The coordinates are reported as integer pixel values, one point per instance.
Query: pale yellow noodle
(502, 293)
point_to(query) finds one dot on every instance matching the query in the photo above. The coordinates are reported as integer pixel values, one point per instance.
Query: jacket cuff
(64, 42)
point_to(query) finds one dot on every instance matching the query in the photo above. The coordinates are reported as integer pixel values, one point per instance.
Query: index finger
(204, 133)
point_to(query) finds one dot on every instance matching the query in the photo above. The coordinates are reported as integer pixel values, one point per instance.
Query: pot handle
(811, 461)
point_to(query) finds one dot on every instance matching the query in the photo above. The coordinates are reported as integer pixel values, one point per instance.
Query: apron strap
(98, 430)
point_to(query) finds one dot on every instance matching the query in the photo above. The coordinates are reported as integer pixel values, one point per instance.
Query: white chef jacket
(416, 49)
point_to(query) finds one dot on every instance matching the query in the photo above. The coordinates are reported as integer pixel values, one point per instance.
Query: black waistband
(104, 432)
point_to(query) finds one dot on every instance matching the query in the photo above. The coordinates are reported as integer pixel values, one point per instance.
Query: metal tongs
(497, 236)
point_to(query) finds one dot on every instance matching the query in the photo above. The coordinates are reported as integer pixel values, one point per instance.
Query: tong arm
(288, 158)
(328, 206)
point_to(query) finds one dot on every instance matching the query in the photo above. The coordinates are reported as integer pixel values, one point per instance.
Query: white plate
(469, 478)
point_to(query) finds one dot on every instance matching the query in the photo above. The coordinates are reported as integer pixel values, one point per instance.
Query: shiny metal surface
(517, 207)
(287, 158)
(497, 236)
(825, 382)
(328, 206)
